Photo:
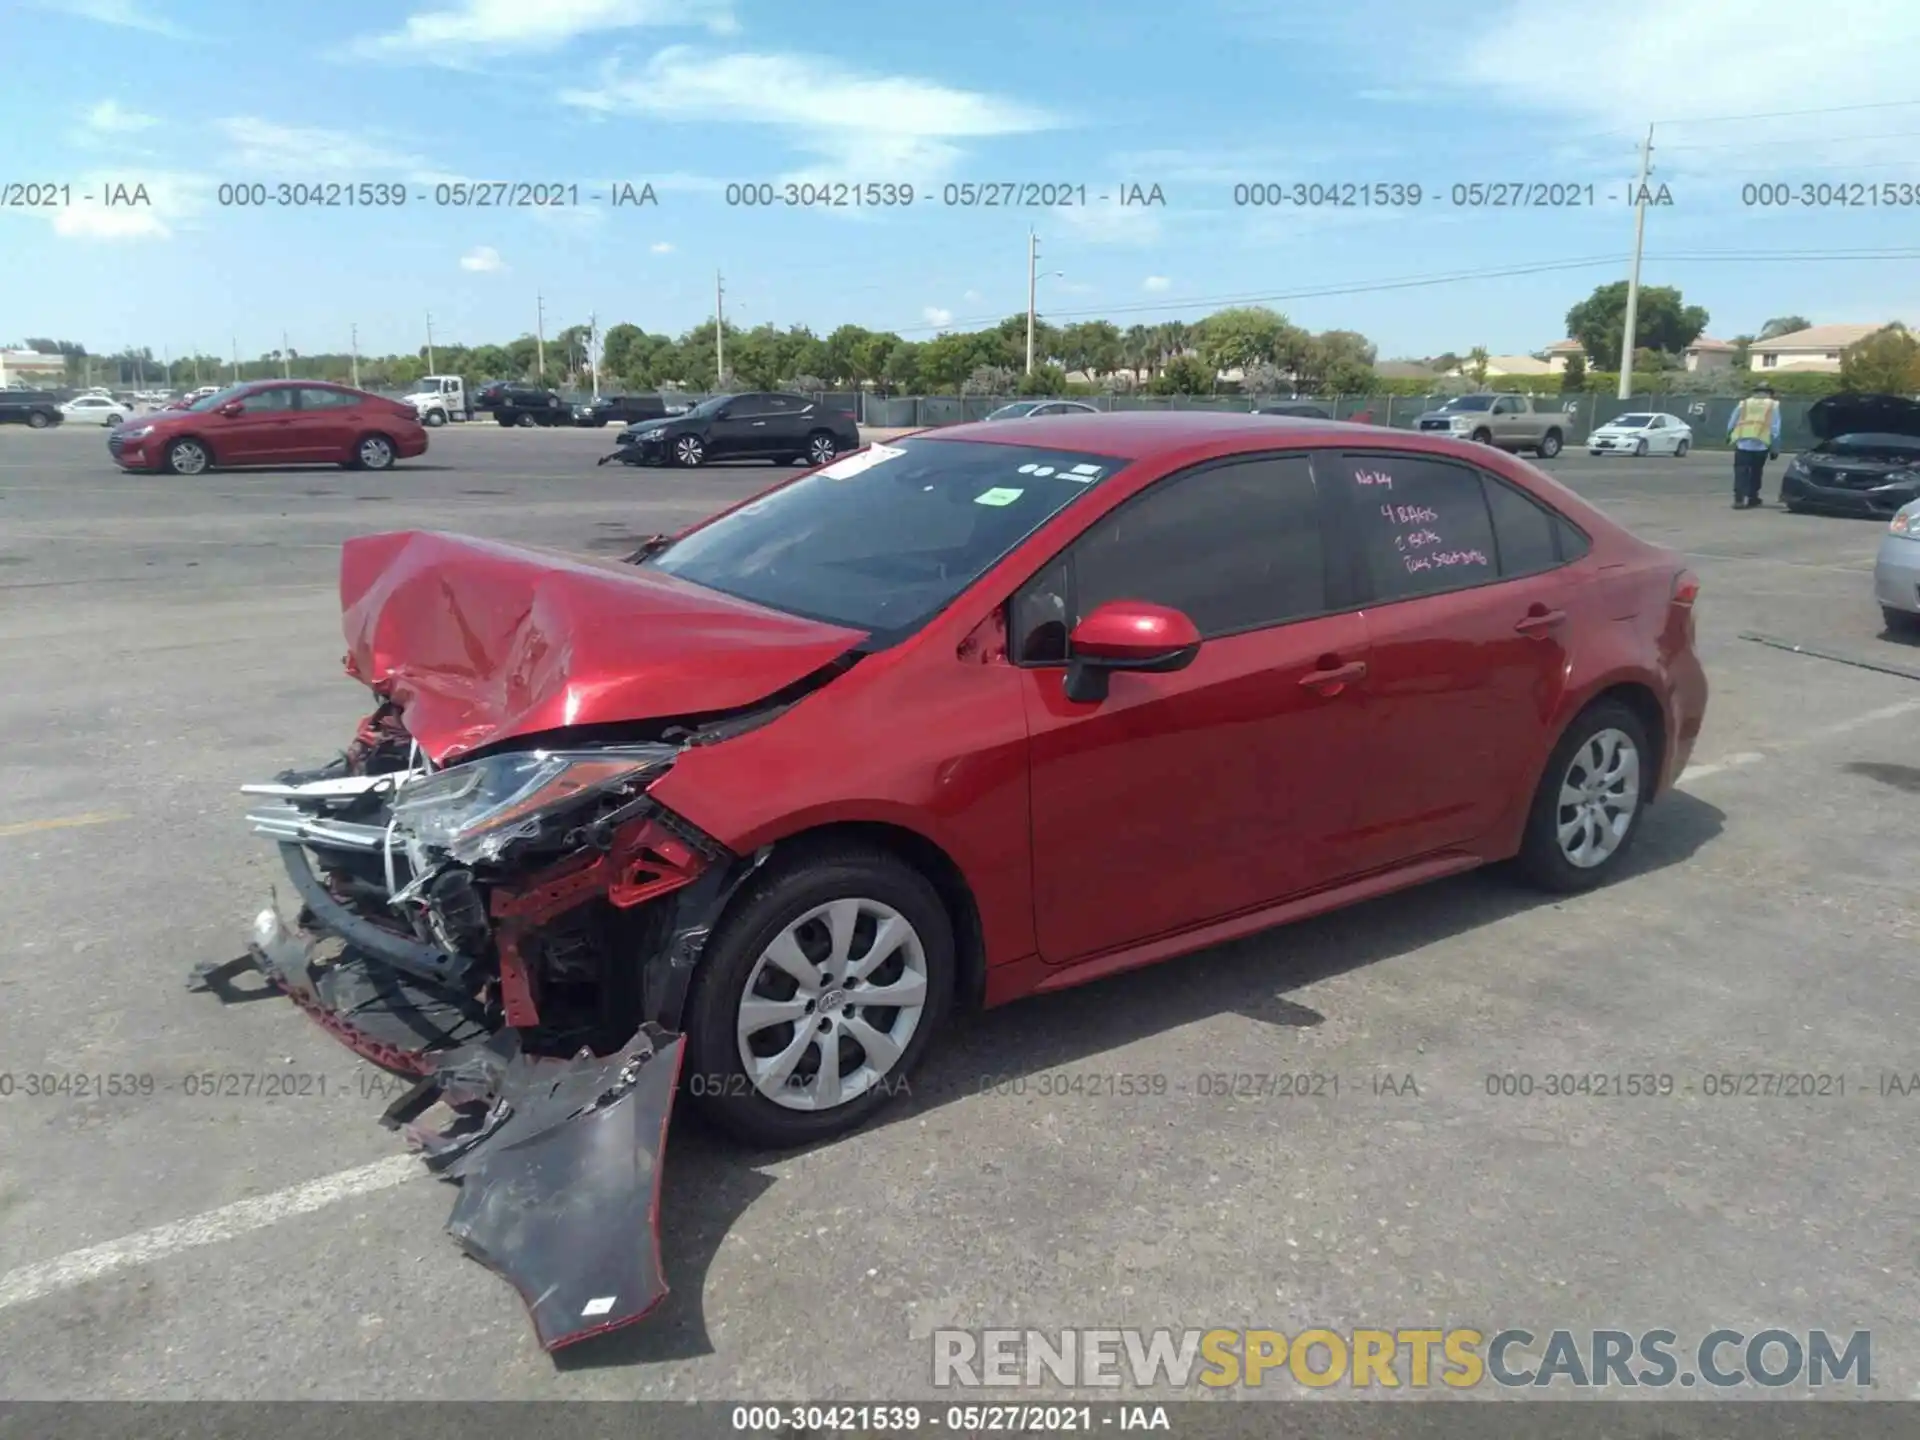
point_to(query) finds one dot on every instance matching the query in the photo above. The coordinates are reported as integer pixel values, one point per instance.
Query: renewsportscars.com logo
(1459, 1359)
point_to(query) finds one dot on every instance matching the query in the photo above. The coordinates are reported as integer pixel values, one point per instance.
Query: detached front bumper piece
(558, 1163)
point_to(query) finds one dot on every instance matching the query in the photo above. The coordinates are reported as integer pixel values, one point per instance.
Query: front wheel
(188, 457)
(1900, 622)
(1482, 436)
(1681, 449)
(38, 421)
(1587, 808)
(434, 418)
(689, 451)
(525, 422)
(817, 996)
(1640, 447)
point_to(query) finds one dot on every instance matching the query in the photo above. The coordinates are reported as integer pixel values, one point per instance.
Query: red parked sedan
(991, 710)
(272, 422)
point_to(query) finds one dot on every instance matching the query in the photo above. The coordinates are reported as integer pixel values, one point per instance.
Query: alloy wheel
(1599, 797)
(688, 450)
(376, 452)
(831, 1004)
(821, 449)
(187, 457)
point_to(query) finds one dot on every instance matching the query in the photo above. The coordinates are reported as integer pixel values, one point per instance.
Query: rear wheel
(188, 457)
(1587, 808)
(1900, 622)
(38, 420)
(525, 422)
(818, 995)
(1549, 444)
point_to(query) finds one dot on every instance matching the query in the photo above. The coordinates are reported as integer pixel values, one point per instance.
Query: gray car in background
(1028, 409)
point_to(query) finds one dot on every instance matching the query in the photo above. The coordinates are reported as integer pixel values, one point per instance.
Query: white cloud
(127, 14)
(972, 297)
(661, 247)
(894, 127)
(467, 28)
(483, 260)
(273, 151)
(1156, 283)
(937, 317)
(109, 117)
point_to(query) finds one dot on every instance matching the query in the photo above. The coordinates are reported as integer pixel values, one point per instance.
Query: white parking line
(64, 1272)
(1825, 732)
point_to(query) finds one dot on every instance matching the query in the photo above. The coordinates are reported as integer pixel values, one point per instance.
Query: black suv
(516, 404)
(29, 407)
(762, 426)
(626, 409)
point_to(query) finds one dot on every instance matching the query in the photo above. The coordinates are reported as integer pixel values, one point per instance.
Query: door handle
(1331, 680)
(758, 424)
(1539, 622)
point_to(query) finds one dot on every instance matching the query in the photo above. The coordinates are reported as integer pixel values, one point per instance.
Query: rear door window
(1423, 525)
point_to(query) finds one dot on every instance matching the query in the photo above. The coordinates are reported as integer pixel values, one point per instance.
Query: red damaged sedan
(271, 422)
(991, 710)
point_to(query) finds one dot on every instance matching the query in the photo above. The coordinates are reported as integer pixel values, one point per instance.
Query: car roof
(1145, 434)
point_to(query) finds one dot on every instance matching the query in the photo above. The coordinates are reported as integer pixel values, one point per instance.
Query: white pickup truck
(440, 398)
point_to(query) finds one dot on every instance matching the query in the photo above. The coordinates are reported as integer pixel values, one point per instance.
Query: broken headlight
(474, 811)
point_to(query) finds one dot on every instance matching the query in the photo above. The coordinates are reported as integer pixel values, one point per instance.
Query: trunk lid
(479, 641)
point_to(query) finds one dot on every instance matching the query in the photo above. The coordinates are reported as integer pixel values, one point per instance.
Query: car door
(328, 423)
(1466, 639)
(1504, 420)
(1189, 796)
(739, 429)
(262, 433)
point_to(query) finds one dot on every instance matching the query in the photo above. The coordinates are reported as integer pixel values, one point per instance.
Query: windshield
(218, 398)
(884, 539)
(1469, 402)
(1014, 411)
(1632, 422)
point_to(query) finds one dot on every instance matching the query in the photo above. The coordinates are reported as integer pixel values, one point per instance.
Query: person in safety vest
(1754, 430)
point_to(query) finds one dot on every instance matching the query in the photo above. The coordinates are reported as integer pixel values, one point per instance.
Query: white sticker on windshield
(1028, 469)
(1043, 470)
(999, 495)
(1092, 472)
(862, 461)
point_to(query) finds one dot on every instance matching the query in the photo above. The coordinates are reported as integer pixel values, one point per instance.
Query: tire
(1640, 447)
(524, 421)
(113, 420)
(1549, 445)
(1544, 860)
(1900, 622)
(1682, 448)
(434, 418)
(503, 418)
(882, 888)
(372, 452)
(689, 450)
(821, 448)
(188, 457)
(1482, 436)
(1794, 507)
(36, 420)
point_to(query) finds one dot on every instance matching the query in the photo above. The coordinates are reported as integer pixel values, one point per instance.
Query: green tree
(1236, 338)
(1337, 362)
(1784, 325)
(900, 371)
(521, 355)
(1184, 375)
(847, 356)
(620, 349)
(1476, 366)
(1743, 352)
(1573, 379)
(1886, 362)
(1046, 379)
(1662, 322)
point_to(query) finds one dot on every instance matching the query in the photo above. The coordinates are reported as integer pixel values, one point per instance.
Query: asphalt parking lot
(164, 640)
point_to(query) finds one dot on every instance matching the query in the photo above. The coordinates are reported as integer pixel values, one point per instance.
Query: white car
(96, 410)
(1896, 571)
(1642, 434)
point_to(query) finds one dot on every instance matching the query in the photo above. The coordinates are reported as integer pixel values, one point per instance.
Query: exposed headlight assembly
(474, 811)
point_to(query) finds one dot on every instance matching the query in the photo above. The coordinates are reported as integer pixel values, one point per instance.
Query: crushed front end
(515, 932)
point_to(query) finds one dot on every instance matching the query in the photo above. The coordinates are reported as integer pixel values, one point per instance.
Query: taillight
(1686, 589)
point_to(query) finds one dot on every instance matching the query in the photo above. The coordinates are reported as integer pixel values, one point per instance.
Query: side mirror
(233, 409)
(1126, 635)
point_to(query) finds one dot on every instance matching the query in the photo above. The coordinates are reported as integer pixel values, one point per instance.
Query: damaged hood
(1853, 414)
(479, 641)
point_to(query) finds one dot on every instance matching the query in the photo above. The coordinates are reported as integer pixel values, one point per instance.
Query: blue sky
(182, 95)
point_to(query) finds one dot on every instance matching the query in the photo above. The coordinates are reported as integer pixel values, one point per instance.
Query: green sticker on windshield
(999, 495)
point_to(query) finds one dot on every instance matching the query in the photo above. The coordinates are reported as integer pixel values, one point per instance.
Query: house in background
(1817, 348)
(1498, 365)
(1405, 370)
(1560, 352)
(30, 367)
(1707, 355)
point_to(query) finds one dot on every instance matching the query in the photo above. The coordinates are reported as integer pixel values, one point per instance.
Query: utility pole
(286, 358)
(540, 334)
(1633, 280)
(1033, 260)
(430, 368)
(353, 342)
(236, 358)
(719, 328)
(593, 351)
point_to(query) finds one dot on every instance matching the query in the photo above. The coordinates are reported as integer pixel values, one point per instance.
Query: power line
(1789, 114)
